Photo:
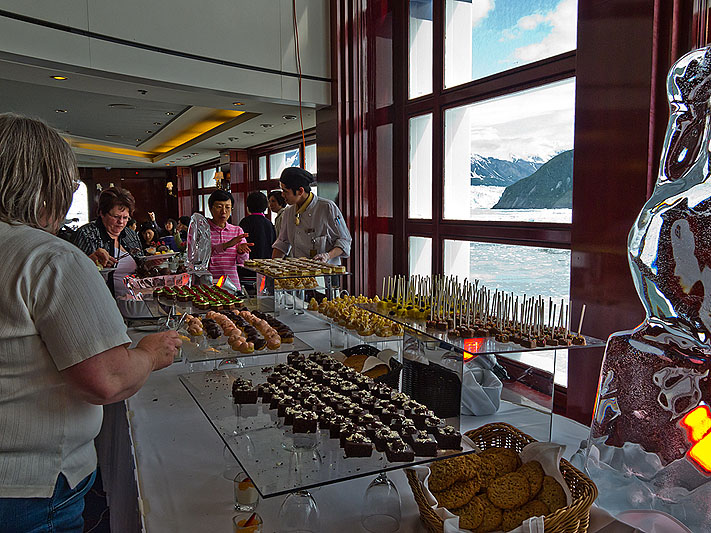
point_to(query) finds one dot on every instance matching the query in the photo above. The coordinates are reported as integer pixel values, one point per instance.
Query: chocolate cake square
(305, 422)
(358, 445)
(424, 445)
(448, 438)
(399, 451)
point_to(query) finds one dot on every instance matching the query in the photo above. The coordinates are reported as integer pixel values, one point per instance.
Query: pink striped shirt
(224, 262)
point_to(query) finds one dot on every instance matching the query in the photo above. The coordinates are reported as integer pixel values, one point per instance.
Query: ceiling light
(221, 144)
(237, 103)
(59, 78)
(167, 164)
(248, 132)
(142, 91)
(266, 125)
(60, 110)
(157, 123)
(194, 153)
(232, 139)
(289, 117)
(138, 140)
(169, 113)
(121, 106)
(149, 131)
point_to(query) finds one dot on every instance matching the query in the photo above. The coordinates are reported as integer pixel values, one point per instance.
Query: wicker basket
(572, 519)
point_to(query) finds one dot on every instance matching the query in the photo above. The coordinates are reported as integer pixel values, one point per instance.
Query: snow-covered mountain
(501, 173)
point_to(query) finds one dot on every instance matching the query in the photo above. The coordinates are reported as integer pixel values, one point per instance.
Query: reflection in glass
(420, 256)
(208, 177)
(282, 160)
(80, 205)
(420, 32)
(420, 175)
(511, 158)
(485, 37)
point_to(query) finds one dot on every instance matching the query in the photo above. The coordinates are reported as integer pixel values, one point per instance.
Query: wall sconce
(169, 187)
(221, 180)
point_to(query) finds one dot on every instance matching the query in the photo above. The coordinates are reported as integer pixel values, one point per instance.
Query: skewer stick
(580, 324)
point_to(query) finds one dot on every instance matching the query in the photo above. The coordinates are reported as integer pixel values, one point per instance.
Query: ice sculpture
(650, 442)
(199, 245)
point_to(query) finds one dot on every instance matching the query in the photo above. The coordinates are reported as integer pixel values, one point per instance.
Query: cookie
(535, 508)
(471, 515)
(509, 491)
(512, 518)
(485, 469)
(552, 494)
(445, 473)
(491, 515)
(533, 472)
(505, 460)
(458, 495)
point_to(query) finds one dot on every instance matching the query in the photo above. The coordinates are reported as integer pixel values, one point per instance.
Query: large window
(79, 209)
(420, 175)
(511, 157)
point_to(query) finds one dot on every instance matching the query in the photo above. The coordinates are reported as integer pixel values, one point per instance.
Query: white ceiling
(145, 114)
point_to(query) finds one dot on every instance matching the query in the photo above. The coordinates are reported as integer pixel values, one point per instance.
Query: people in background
(260, 230)
(311, 226)
(147, 236)
(183, 224)
(229, 243)
(277, 204)
(132, 224)
(171, 230)
(64, 350)
(108, 242)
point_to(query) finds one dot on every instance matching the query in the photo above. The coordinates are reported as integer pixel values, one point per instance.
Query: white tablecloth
(180, 459)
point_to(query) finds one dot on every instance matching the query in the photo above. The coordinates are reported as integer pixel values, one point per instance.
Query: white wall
(256, 33)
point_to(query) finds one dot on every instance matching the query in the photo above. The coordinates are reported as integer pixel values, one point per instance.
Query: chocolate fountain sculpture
(650, 442)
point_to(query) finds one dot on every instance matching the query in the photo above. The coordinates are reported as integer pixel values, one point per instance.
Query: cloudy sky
(509, 33)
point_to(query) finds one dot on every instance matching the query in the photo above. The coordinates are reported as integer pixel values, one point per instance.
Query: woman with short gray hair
(63, 344)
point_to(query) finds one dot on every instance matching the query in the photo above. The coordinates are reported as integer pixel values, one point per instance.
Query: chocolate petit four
(399, 451)
(242, 391)
(358, 445)
(305, 422)
(448, 438)
(424, 444)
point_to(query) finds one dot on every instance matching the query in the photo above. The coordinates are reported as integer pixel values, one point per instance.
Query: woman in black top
(261, 230)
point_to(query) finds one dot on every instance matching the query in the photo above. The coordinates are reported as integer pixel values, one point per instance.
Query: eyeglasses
(119, 218)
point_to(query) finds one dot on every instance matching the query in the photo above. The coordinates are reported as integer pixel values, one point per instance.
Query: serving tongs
(171, 317)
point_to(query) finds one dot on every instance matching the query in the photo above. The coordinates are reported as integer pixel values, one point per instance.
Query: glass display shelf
(343, 337)
(277, 461)
(473, 346)
(273, 298)
(296, 276)
(200, 349)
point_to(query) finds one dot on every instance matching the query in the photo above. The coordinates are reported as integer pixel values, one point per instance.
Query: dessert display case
(277, 294)
(276, 459)
(200, 349)
(448, 373)
(344, 337)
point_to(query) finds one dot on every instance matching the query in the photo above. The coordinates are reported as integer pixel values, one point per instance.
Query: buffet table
(178, 483)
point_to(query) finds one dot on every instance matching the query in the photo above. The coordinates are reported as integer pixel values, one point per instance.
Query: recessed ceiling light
(157, 123)
(289, 117)
(60, 110)
(138, 140)
(194, 153)
(59, 78)
(221, 144)
(149, 131)
(237, 103)
(232, 139)
(167, 164)
(122, 106)
(248, 132)
(169, 113)
(266, 125)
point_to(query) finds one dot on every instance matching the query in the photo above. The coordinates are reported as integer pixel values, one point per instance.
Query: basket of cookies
(512, 479)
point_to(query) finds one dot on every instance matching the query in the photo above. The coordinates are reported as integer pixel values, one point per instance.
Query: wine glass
(381, 506)
(299, 514)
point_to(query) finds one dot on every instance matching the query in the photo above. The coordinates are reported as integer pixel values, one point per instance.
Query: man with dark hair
(258, 227)
(311, 226)
(229, 243)
(277, 204)
(183, 224)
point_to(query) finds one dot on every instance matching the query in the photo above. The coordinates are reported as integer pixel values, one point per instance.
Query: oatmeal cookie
(535, 508)
(471, 515)
(512, 518)
(485, 468)
(552, 494)
(458, 495)
(505, 460)
(509, 491)
(533, 472)
(445, 473)
(491, 516)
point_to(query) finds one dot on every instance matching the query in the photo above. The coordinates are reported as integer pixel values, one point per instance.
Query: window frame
(528, 76)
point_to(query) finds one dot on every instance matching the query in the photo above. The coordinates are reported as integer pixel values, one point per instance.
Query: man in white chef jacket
(311, 227)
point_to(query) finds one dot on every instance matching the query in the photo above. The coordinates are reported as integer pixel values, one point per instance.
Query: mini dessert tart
(358, 445)
(399, 451)
(448, 438)
(305, 422)
(242, 391)
(424, 445)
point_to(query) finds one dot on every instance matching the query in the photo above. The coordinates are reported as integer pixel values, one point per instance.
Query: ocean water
(484, 197)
